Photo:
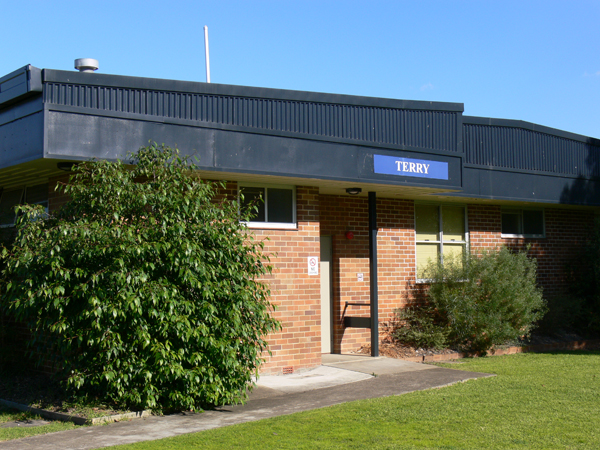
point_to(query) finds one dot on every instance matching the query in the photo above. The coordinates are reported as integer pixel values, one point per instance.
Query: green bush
(582, 298)
(145, 288)
(420, 326)
(485, 299)
(566, 312)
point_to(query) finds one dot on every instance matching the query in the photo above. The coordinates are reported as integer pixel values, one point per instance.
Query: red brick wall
(395, 254)
(341, 214)
(296, 294)
(396, 261)
(56, 199)
(484, 226)
(566, 233)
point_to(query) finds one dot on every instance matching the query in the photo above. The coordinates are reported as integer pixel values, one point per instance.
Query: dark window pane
(10, 199)
(511, 223)
(280, 205)
(533, 222)
(254, 197)
(37, 194)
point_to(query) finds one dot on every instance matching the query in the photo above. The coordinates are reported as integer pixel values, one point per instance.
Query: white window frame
(271, 225)
(523, 235)
(440, 241)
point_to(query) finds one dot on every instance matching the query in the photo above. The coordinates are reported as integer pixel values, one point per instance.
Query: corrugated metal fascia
(474, 120)
(98, 79)
(435, 130)
(529, 149)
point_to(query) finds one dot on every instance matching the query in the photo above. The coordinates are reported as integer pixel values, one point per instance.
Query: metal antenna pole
(206, 54)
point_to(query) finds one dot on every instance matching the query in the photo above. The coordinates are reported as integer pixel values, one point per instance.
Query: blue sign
(409, 167)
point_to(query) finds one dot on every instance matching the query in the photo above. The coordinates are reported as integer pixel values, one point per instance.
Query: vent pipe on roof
(86, 64)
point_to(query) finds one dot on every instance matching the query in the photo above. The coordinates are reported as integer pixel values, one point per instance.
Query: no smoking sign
(313, 265)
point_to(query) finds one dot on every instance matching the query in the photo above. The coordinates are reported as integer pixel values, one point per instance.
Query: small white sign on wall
(360, 277)
(313, 265)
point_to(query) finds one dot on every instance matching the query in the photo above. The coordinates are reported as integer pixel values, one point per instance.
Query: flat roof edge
(19, 84)
(62, 76)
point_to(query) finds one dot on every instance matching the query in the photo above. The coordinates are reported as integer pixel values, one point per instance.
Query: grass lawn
(537, 401)
(7, 415)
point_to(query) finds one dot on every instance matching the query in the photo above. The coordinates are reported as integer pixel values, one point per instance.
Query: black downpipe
(373, 273)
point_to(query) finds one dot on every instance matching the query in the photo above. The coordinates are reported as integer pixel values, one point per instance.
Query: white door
(326, 306)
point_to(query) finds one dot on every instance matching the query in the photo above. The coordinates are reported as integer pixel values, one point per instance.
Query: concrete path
(340, 379)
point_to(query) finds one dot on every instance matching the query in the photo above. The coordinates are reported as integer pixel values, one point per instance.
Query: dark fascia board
(472, 120)
(19, 84)
(99, 79)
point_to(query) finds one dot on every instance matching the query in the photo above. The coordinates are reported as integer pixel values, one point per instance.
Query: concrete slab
(265, 402)
(319, 378)
(331, 358)
(373, 365)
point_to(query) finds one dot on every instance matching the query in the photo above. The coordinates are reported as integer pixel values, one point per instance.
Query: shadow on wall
(414, 294)
(585, 189)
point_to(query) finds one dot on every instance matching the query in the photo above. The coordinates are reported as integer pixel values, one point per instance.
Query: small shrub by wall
(481, 300)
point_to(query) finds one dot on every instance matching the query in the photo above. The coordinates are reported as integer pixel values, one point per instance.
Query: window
(9, 199)
(276, 205)
(523, 223)
(440, 232)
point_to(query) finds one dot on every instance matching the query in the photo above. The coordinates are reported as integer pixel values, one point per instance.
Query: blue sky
(537, 61)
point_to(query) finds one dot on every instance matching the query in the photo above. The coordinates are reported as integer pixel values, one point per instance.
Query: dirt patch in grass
(41, 391)
(399, 350)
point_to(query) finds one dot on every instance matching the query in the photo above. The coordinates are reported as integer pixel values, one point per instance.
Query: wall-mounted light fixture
(353, 190)
(66, 166)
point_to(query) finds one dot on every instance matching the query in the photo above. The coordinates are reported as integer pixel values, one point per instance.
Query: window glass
(453, 223)
(425, 253)
(8, 201)
(511, 223)
(280, 205)
(523, 223)
(533, 222)
(454, 252)
(427, 232)
(37, 194)
(254, 196)
(427, 222)
(276, 205)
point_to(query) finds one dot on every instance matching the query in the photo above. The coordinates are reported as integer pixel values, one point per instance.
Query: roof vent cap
(86, 64)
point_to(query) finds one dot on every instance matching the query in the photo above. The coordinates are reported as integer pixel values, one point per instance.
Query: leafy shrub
(145, 287)
(566, 312)
(485, 299)
(420, 326)
(582, 299)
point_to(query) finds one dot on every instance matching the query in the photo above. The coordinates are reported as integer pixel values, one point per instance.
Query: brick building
(359, 192)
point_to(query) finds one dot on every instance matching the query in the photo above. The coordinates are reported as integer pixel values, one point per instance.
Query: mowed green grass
(8, 415)
(537, 401)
